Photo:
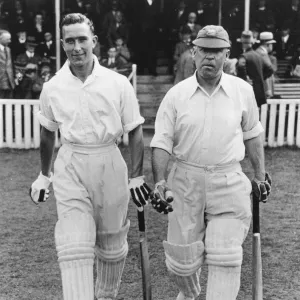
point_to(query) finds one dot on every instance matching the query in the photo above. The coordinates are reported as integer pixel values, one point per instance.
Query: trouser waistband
(90, 149)
(232, 167)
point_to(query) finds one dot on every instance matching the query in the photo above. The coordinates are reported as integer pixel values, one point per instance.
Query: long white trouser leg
(224, 255)
(111, 252)
(183, 263)
(75, 236)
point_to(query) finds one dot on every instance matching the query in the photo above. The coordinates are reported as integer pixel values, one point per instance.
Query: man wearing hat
(252, 66)
(264, 50)
(206, 121)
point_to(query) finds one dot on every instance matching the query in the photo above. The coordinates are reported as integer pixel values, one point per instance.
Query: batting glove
(262, 189)
(162, 197)
(39, 191)
(139, 191)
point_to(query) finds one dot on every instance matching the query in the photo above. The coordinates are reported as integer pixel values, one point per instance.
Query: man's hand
(262, 189)
(139, 191)
(162, 197)
(39, 191)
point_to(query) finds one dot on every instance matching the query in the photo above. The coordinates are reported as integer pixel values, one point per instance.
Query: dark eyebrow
(77, 37)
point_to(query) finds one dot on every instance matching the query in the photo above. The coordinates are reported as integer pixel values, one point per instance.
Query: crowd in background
(132, 31)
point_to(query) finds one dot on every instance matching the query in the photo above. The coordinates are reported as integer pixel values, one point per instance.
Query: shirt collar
(1, 47)
(224, 84)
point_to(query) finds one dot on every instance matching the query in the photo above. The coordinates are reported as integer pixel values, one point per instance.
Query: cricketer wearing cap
(206, 121)
(92, 106)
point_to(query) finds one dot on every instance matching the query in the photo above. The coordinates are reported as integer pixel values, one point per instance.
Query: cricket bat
(257, 284)
(146, 275)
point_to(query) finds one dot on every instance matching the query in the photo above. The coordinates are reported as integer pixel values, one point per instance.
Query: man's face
(22, 35)
(186, 38)
(119, 17)
(285, 32)
(5, 39)
(181, 5)
(112, 53)
(199, 5)
(246, 45)
(192, 18)
(209, 61)
(119, 42)
(39, 18)
(30, 48)
(78, 43)
(48, 36)
(270, 47)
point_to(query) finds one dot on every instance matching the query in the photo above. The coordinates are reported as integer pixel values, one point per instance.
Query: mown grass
(28, 267)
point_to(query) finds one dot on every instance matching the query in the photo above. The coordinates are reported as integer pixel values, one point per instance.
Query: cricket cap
(212, 36)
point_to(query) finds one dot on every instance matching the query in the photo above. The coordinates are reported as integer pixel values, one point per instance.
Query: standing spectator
(264, 50)
(47, 48)
(37, 28)
(294, 66)
(19, 18)
(200, 14)
(185, 66)
(78, 7)
(30, 55)
(191, 23)
(19, 42)
(262, 17)
(4, 16)
(149, 12)
(112, 61)
(110, 16)
(252, 67)
(7, 83)
(118, 28)
(284, 43)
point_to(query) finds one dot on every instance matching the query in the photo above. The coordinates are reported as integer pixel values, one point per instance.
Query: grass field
(28, 267)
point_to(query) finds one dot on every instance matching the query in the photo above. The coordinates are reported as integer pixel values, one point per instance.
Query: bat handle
(141, 220)
(255, 213)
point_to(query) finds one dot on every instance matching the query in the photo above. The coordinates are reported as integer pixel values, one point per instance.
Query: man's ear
(95, 40)
(228, 54)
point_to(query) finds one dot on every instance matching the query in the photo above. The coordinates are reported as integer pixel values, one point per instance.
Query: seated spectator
(294, 66)
(46, 72)
(47, 48)
(185, 66)
(284, 43)
(112, 61)
(191, 23)
(182, 46)
(118, 28)
(19, 42)
(122, 50)
(30, 55)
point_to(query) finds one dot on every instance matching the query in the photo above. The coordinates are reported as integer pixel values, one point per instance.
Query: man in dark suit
(251, 66)
(284, 43)
(7, 83)
(47, 49)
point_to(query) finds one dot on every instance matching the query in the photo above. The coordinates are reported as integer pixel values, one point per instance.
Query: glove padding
(262, 189)
(162, 197)
(139, 191)
(39, 191)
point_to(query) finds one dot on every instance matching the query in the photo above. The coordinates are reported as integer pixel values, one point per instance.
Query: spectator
(19, 42)
(200, 14)
(19, 18)
(185, 66)
(78, 7)
(118, 28)
(262, 17)
(7, 83)
(252, 67)
(37, 28)
(191, 23)
(264, 50)
(289, 13)
(284, 43)
(30, 55)
(122, 50)
(294, 66)
(4, 16)
(211, 12)
(112, 61)
(47, 48)
(183, 45)
(110, 16)
(230, 66)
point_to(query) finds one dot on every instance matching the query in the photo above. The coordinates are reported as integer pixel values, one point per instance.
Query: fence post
(1, 126)
(291, 124)
(263, 120)
(298, 128)
(281, 124)
(27, 125)
(36, 127)
(18, 126)
(8, 124)
(272, 125)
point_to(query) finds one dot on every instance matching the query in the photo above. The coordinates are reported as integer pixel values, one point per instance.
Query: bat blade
(145, 262)
(257, 281)
(147, 293)
(257, 284)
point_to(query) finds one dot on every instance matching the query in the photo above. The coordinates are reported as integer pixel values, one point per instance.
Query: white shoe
(182, 297)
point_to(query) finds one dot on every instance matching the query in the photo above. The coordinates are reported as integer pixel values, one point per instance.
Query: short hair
(2, 31)
(76, 18)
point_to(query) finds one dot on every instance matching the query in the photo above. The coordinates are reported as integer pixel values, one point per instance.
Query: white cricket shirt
(207, 130)
(97, 111)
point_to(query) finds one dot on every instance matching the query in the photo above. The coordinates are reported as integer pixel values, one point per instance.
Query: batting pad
(75, 236)
(184, 265)
(111, 252)
(224, 255)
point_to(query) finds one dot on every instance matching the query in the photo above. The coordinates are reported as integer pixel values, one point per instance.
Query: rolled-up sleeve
(165, 125)
(250, 120)
(45, 115)
(130, 112)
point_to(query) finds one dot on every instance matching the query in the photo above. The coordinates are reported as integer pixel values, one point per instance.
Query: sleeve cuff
(128, 127)
(162, 144)
(254, 132)
(50, 125)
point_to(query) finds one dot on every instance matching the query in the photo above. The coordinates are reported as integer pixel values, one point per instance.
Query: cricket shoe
(182, 297)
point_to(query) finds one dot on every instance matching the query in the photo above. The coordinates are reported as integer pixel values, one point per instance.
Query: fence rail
(280, 119)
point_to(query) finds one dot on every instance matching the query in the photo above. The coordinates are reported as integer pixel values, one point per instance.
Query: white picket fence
(22, 128)
(280, 119)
